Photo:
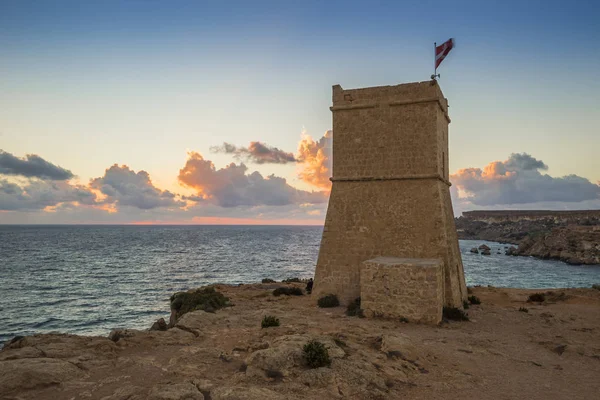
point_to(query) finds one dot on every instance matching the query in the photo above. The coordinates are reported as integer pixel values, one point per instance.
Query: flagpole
(434, 67)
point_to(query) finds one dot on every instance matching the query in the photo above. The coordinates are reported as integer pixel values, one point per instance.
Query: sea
(91, 279)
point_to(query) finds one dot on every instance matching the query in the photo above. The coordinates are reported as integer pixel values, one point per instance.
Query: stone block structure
(390, 194)
(410, 288)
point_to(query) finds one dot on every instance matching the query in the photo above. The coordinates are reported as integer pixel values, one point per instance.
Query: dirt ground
(550, 352)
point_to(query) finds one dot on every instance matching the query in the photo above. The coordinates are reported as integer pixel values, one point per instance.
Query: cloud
(233, 187)
(518, 181)
(315, 159)
(256, 152)
(39, 194)
(32, 166)
(125, 187)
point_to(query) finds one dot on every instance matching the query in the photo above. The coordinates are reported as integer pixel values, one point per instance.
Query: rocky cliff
(570, 236)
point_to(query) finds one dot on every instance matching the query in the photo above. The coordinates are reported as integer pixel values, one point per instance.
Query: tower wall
(390, 194)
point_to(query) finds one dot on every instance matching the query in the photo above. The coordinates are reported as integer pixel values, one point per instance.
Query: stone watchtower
(390, 196)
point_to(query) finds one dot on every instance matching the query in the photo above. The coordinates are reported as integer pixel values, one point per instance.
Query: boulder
(486, 252)
(116, 334)
(512, 251)
(159, 325)
(474, 250)
(484, 247)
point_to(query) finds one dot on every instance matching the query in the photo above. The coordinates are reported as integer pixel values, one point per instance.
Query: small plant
(207, 299)
(474, 300)
(523, 309)
(274, 374)
(596, 286)
(331, 300)
(315, 354)
(454, 314)
(536, 298)
(269, 321)
(288, 291)
(291, 280)
(354, 308)
(267, 280)
(466, 305)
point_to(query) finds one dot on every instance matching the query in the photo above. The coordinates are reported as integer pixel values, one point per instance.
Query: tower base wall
(408, 218)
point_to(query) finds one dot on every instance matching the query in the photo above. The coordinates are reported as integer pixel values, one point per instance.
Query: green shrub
(267, 280)
(536, 298)
(331, 300)
(269, 321)
(474, 300)
(523, 309)
(354, 308)
(291, 280)
(207, 299)
(454, 314)
(466, 305)
(288, 291)
(315, 354)
(596, 286)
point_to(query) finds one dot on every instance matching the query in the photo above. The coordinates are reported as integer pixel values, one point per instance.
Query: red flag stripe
(442, 51)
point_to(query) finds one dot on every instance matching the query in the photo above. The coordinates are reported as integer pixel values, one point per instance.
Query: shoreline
(501, 351)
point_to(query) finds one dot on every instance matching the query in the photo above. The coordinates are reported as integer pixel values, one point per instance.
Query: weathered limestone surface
(390, 193)
(393, 287)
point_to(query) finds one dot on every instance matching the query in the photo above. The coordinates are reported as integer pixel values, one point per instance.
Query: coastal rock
(474, 250)
(35, 373)
(176, 391)
(174, 336)
(159, 325)
(573, 245)
(83, 350)
(569, 236)
(284, 354)
(512, 251)
(197, 321)
(17, 353)
(116, 334)
(486, 252)
(245, 393)
(484, 247)
(399, 345)
(370, 359)
(126, 393)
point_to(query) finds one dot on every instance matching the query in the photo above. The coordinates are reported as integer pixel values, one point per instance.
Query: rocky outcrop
(572, 237)
(227, 355)
(573, 245)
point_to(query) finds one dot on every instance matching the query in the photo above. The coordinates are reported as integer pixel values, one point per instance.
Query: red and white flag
(442, 51)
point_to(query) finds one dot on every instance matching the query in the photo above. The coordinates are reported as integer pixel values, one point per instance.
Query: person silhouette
(309, 286)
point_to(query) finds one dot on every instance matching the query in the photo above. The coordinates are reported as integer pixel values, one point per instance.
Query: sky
(192, 112)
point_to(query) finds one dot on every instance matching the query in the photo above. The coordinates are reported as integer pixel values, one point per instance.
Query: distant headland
(569, 236)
